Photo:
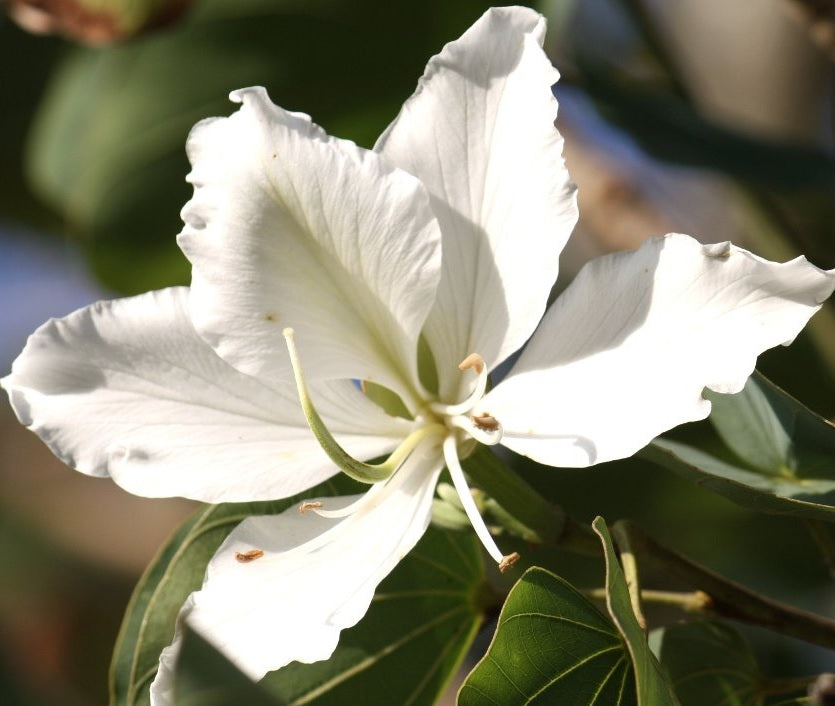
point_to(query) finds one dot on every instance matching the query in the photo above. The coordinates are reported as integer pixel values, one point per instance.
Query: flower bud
(95, 21)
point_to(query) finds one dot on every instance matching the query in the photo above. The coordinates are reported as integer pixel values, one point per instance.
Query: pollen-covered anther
(251, 555)
(310, 505)
(508, 561)
(486, 422)
(475, 363)
(472, 362)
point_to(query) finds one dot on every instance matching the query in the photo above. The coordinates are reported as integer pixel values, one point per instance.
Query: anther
(475, 363)
(251, 555)
(508, 561)
(309, 505)
(472, 362)
(486, 421)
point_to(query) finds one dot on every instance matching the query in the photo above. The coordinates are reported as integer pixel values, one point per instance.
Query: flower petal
(291, 228)
(316, 575)
(624, 353)
(479, 133)
(127, 388)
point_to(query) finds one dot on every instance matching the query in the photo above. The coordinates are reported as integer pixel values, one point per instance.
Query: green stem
(688, 601)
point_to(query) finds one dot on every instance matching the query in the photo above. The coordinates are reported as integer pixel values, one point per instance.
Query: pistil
(363, 472)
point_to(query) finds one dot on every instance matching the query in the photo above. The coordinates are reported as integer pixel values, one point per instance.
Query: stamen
(309, 505)
(472, 362)
(363, 472)
(366, 500)
(460, 482)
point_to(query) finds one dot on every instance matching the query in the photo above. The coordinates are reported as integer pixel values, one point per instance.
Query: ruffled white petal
(317, 575)
(291, 228)
(479, 133)
(127, 388)
(624, 353)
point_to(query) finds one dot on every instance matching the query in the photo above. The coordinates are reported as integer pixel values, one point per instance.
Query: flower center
(450, 425)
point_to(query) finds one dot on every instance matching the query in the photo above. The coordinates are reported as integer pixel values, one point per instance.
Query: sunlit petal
(126, 388)
(624, 353)
(289, 227)
(316, 576)
(479, 132)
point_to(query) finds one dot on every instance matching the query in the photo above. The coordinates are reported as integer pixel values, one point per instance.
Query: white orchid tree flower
(414, 268)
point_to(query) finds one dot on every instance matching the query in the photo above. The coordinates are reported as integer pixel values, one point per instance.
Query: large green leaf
(408, 646)
(709, 663)
(551, 646)
(178, 569)
(652, 686)
(783, 454)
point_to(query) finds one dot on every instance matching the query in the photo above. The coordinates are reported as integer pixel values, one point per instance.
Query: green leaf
(709, 663)
(551, 646)
(774, 433)
(809, 499)
(177, 570)
(785, 453)
(408, 646)
(652, 686)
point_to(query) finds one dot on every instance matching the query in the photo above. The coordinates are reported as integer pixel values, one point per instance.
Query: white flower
(445, 238)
